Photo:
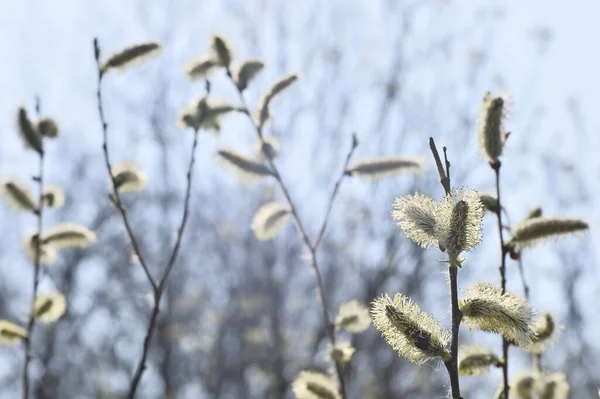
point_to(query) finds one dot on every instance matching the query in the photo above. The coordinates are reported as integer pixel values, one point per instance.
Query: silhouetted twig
(39, 212)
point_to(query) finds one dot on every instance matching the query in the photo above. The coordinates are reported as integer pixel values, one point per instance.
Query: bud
(269, 220)
(262, 112)
(200, 67)
(342, 351)
(68, 235)
(546, 332)
(53, 197)
(353, 317)
(490, 203)
(536, 230)
(47, 252)
(534, 213)
(222, 51)
(380, 167)
(553, 386)
(244, 167)
(11, 333)
(267, 148)
(47, 127)
(523, 384)
(131, 56)
(415, 334)
(128, 177)
(246, 72)
(17, 195)
(204, 113)
(50, 307)
(312, 385)
(486, 308)
(30, 135)
(476, 360)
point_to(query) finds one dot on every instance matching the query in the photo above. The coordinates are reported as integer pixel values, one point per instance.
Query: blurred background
(240, 317)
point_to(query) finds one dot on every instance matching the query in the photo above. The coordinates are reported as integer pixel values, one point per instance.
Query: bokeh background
(241, 317)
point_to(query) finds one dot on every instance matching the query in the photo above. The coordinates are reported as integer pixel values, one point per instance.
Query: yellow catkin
(131, 55)
(532, 231)
(380, 167)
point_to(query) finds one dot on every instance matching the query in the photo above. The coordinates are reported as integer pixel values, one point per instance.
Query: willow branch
(36, 272)
(116, 195)
(329, 326)
(452, 363)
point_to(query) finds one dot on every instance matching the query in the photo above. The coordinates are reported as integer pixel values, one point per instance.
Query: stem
(503, 251)
(36, 276)
(452, 364)
(158, 292)
(336, 188)
(329, 326)
(116, 195)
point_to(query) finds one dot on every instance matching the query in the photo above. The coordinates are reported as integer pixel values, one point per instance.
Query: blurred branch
(39, 212)
(117, 197)
(302, 231)
(158, 289)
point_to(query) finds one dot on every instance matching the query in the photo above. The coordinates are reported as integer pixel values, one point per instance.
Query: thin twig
(159, 291)
(334, 193)
(444, 179)
(36, 273)
(329, 326)
(452, 363)
(503, 251)
(116, 195)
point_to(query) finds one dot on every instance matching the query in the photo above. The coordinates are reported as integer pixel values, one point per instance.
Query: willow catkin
(68, 235)
(270, 219)
(17, 195)
(353, 317)
(460, 218)
(53, 196)
(416, 216)
(11, 333)
(247, 71)
(49, 307)
(413, 333)
(222, 49)
(341, 352)
(314, 385)
(47, 127)
(535, 230)
(244, 167)
(475, 360)
(491, 129)
(201, 67)
(131, 55)
(28, 132)
(486, 308)
(380, 167)
(129, 177)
